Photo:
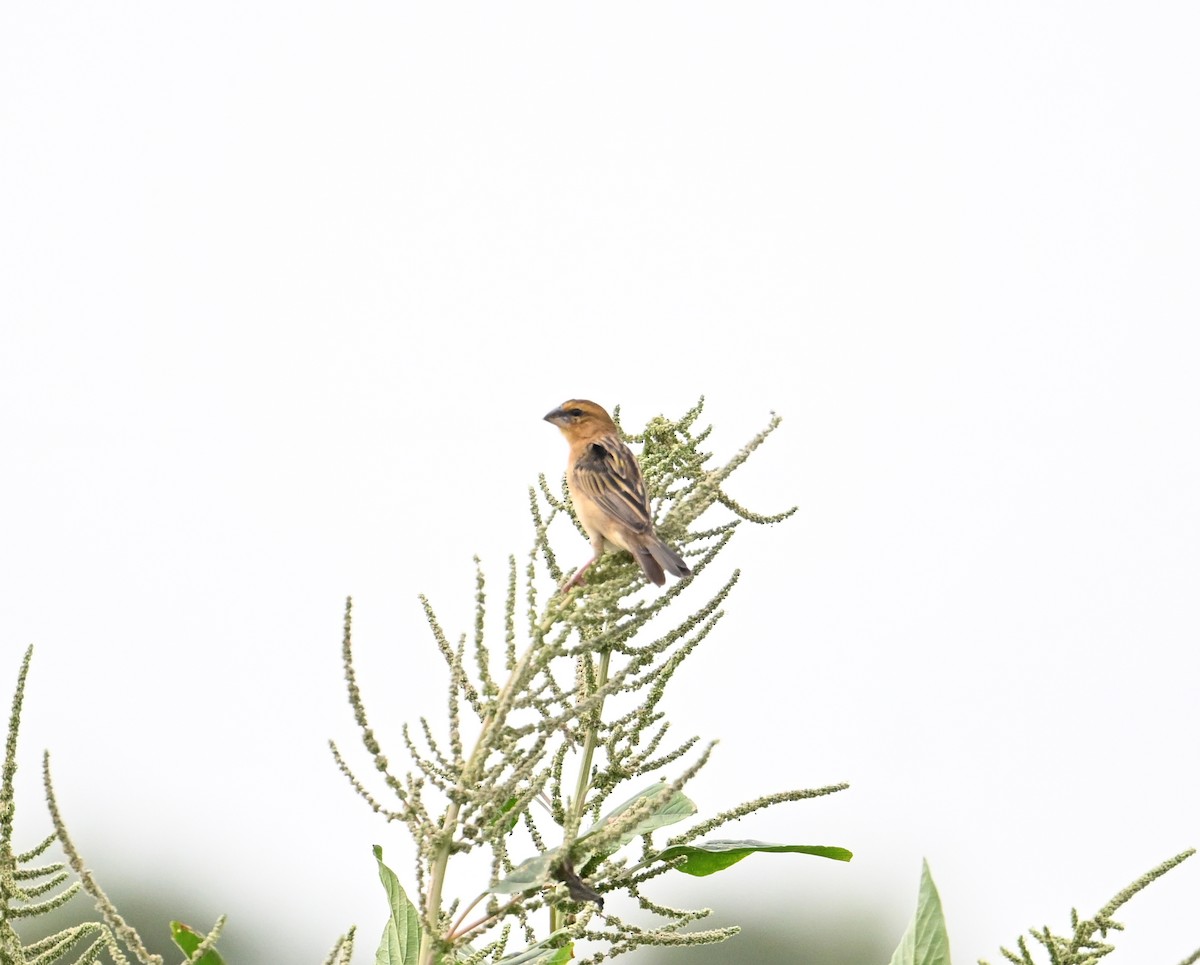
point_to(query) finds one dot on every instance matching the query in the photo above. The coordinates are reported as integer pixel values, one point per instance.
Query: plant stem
(466, 782)
(584, 782)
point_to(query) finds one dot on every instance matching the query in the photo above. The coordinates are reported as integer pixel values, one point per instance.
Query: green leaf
(674, 807)
(545, 956)
(925, 942)
(188, 940)
(529, 874)
(510, 819)
(709, 857)
(542, 953)
(401, 941)
(535, 872)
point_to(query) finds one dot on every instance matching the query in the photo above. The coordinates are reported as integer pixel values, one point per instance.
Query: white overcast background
(286, 289)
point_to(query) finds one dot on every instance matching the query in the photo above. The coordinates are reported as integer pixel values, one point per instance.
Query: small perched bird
(605, 482)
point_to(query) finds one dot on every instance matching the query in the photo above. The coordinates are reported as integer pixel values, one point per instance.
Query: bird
(609, 494)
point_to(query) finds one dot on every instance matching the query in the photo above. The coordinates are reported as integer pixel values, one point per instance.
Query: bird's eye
(575, 412)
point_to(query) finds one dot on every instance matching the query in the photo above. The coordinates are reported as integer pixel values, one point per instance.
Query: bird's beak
(557, 416)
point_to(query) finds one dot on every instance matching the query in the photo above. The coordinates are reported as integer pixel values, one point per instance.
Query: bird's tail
(655, 556)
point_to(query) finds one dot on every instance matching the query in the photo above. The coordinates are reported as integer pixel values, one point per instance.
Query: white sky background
(286, 290)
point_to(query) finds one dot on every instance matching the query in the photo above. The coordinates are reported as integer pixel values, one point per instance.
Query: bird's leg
(598, 548)
(578, 577)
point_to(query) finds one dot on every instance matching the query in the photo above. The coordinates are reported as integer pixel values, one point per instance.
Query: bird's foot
(577, 579)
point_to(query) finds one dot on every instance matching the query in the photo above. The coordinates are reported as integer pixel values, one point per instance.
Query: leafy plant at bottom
(1085, 945)
(926, 942)
(28, 891)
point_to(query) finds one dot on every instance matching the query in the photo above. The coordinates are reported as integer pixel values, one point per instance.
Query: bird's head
(579, 418)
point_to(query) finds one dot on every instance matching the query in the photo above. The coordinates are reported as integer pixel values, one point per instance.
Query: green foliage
(542, 732)
(1085, 944)
(28, 891)
(197, 947)
(564, 716)
(401, 941)
(24, 889)
(343, 950)
(709, 857)
(925, 942)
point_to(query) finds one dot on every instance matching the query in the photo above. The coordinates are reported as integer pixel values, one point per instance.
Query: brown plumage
(609, 495)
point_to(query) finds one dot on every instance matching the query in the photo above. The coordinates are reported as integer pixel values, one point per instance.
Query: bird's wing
(608, 472)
